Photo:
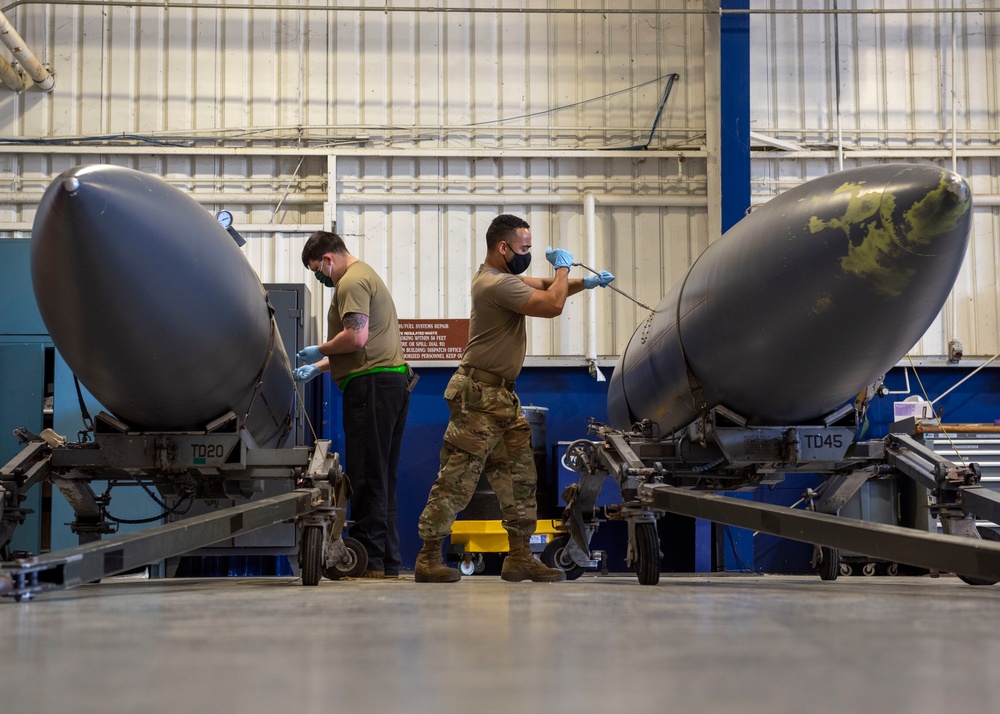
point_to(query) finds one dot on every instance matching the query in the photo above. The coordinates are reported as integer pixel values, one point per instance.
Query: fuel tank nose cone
(802, 304)
(957, 188)
(154, 307)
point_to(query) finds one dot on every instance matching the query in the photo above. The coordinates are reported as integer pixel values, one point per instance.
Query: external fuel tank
(802, 304)
(155, 308)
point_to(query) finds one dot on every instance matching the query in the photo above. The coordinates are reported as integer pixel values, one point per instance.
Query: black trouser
(375, 407)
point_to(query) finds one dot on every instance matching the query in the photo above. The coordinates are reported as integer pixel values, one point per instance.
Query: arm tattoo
(355, 321)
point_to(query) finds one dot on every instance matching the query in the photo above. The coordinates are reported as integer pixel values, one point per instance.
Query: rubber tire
(554, 557)
(357, 565)
(647, 551)
(311, 555)
(829, 565)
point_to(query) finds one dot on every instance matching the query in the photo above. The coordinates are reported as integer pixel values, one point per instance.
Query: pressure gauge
(225, 218)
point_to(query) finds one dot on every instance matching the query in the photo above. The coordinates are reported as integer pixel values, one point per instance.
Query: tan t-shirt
(497, 340)
(362, 291)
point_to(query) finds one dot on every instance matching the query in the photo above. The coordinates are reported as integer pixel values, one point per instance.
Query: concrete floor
(598, 644)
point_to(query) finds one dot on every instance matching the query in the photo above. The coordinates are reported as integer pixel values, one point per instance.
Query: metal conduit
(35, 69)
(590, 241)
(387, 199)
(384, 9)
(587, 200)
(20, 147)
(23, 147)
(11, 78)
(452, 199)
(527, 199)
(22, 198)
(244, 228)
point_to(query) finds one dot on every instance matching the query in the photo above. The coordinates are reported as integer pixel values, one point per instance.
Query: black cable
(188, 497)
(83, 140)
(88, 423)
(744, 568)
(659, 113)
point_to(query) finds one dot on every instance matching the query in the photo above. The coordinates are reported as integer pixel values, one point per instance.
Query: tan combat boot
(520, 564)
(431, 568)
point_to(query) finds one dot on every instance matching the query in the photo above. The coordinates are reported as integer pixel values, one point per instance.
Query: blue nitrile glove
(309, 354)
(558, 257)
(601, 279)
(305, 373)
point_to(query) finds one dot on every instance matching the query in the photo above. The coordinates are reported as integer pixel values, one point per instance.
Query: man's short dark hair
(319, 244)
(503, 228)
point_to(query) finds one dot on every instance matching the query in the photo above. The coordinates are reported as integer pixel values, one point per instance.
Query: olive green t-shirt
(497, 339)
(362, 291)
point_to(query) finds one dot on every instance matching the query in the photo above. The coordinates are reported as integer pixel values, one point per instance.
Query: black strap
(88, 423)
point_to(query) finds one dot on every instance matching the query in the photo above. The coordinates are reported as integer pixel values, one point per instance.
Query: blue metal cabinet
(23, 342)
(22, 386)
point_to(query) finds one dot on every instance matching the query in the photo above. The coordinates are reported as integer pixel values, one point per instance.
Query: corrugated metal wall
(910, 81)
(438, 120)
(478, 108)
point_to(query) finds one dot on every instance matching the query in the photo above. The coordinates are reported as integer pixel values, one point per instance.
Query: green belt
(401, 368)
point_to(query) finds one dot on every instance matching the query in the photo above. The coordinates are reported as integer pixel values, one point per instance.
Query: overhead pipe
(25, 57)
(451, 199)
(387, 8)
(11, 78)
(590, 229)
(527, 199)
(455, 199)
(66, 145)
(254, 199)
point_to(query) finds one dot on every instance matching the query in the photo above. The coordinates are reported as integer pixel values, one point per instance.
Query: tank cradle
(682, 472)
(191, 465)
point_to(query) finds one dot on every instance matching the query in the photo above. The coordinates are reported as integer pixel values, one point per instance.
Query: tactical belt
(481, 375)
(401, 368)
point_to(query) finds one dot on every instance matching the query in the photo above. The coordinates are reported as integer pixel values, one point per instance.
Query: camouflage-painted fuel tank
(802, 304)
(155, 308)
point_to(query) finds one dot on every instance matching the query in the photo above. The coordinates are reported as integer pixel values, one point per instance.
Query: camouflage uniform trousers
(487, 431)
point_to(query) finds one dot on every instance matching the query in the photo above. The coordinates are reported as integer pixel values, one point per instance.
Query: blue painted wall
(572, 396)
(974, 402)
(977, 401)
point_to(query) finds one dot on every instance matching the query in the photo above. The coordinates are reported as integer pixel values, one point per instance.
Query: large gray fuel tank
(155, 308)
(802, 304)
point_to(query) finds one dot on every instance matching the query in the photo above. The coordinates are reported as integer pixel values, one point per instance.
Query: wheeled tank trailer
(181, 467)
(683, 472)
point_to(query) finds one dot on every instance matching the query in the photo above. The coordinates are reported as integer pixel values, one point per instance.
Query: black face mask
(323, 277)
(519, 263)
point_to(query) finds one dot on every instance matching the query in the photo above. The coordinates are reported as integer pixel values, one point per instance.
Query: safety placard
(434, 339)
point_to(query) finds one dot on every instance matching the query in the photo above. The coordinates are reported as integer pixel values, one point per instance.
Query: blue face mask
(323, 277)
(519, 263)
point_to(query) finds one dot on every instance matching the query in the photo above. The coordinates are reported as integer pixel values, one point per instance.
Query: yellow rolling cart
(476, 538)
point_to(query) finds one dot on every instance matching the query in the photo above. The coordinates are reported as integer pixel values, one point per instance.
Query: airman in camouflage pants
(486, 432)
